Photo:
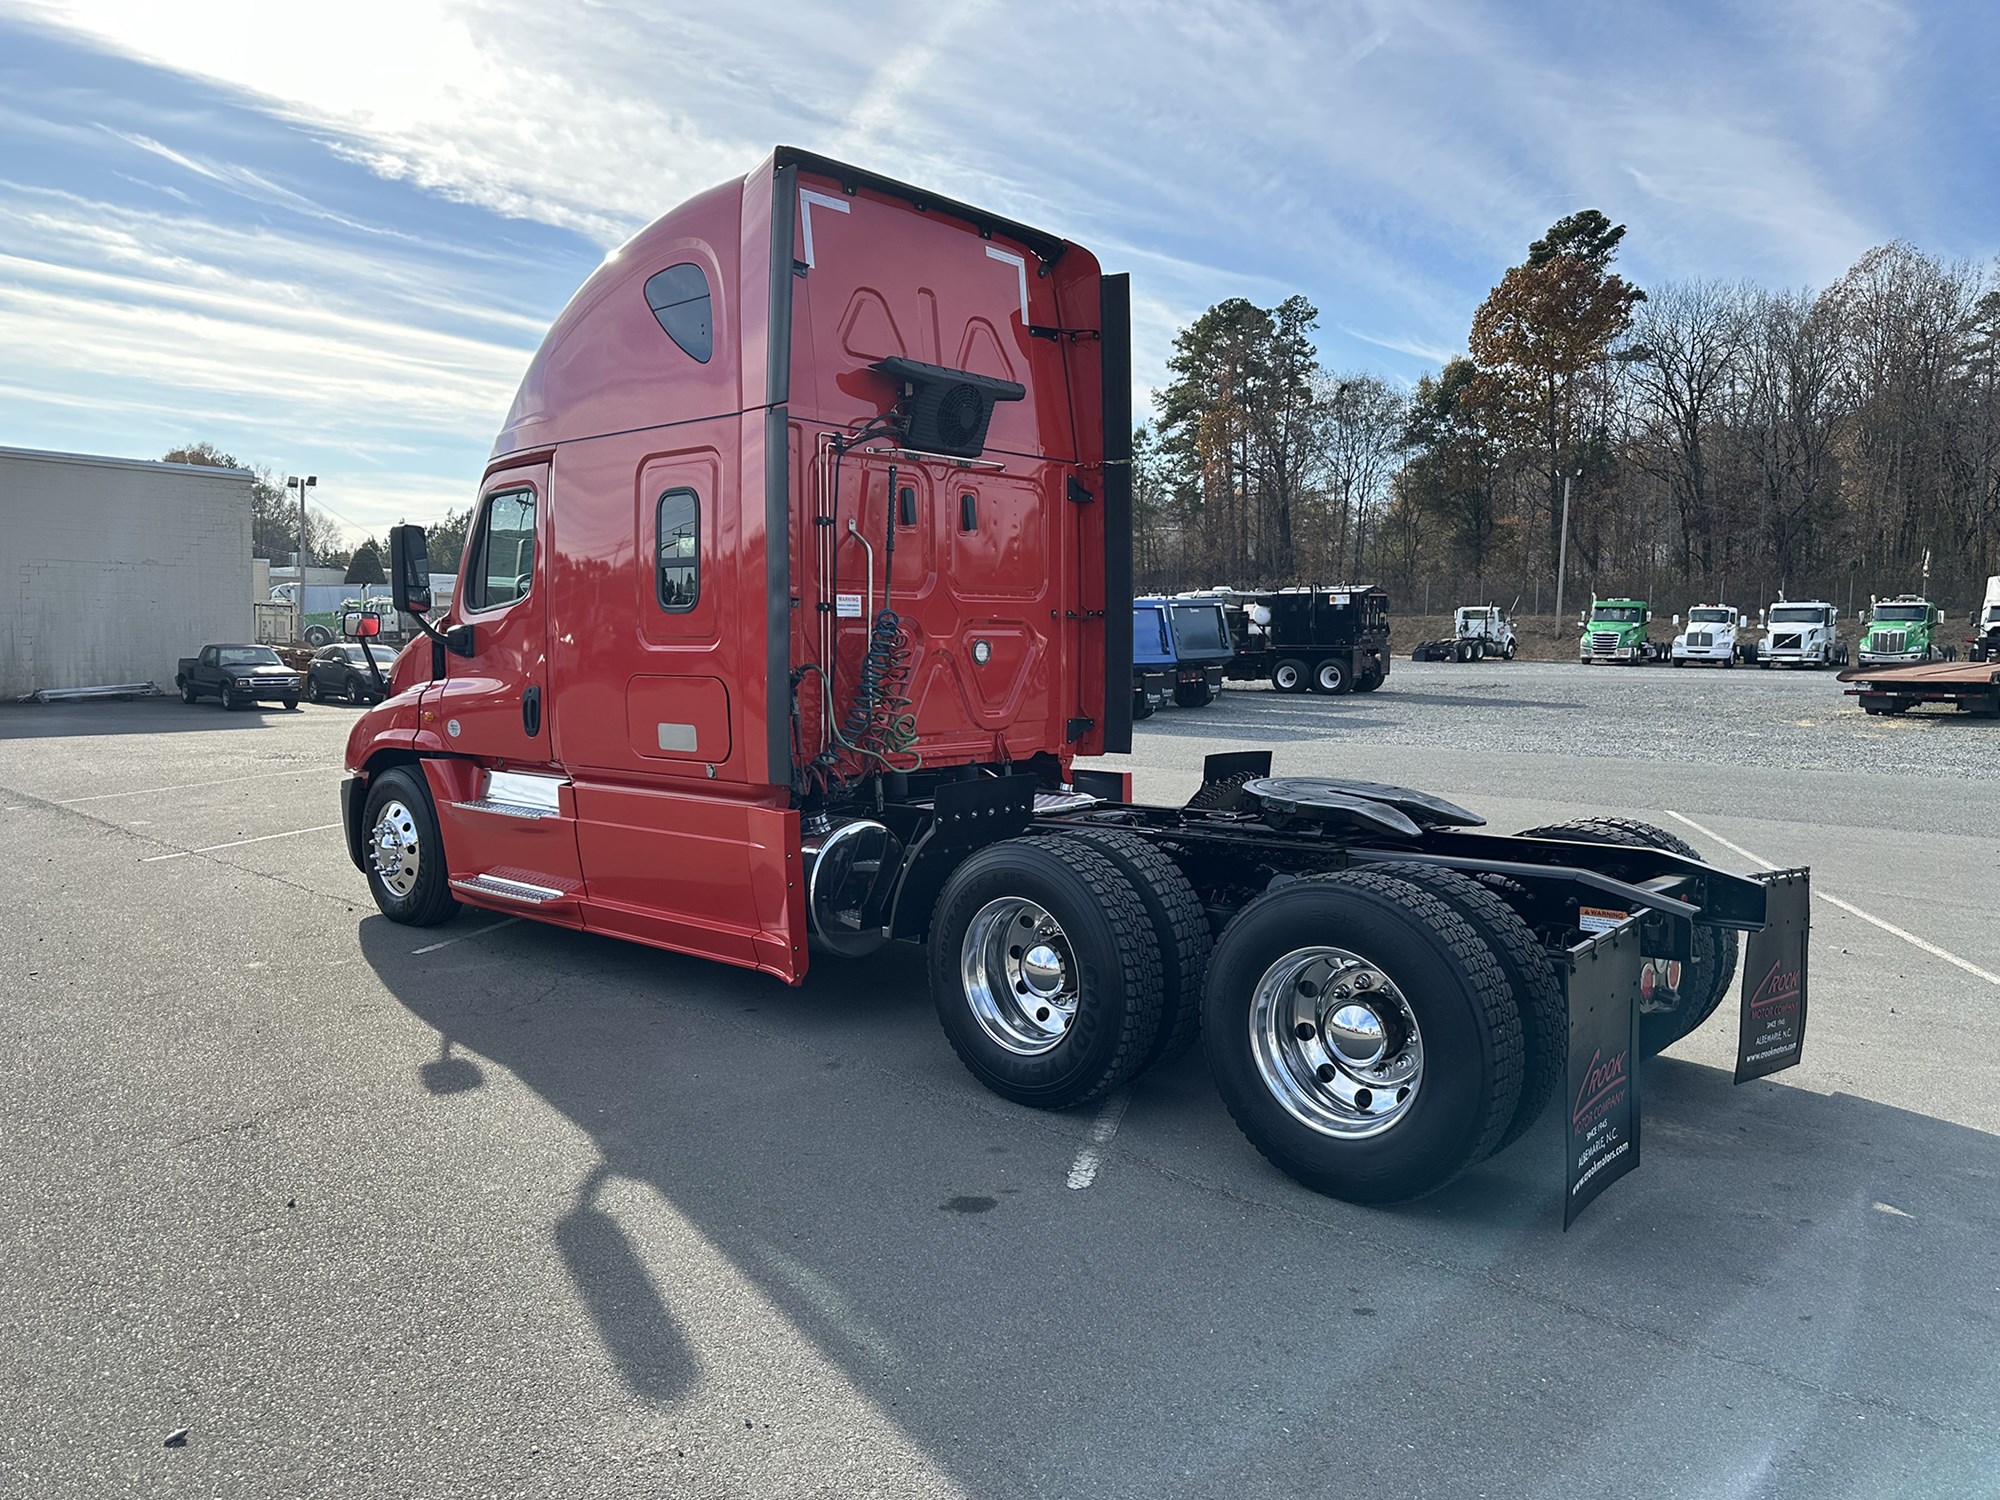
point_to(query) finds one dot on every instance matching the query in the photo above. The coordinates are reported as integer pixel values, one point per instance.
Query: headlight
(246, 682)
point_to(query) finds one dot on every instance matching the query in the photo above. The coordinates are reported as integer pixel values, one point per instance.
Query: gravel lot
(499, 1209)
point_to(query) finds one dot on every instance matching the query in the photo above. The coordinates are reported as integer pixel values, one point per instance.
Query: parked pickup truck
(237, 675)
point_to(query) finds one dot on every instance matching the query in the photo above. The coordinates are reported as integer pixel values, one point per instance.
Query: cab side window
(679, 540)
(502, 565)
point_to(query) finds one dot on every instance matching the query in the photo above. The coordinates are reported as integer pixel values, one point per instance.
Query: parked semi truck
(1902, 630)
(795, 597)
(1799, 633)
(1984, 642)
(1614, 632)
(1710, 635)
(1328, 640)
(1478, 631)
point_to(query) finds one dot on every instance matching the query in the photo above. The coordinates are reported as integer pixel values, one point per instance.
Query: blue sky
(329, 242)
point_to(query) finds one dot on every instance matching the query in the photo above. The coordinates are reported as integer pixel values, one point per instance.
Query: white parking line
(236, 843)
(1083, 1171)
(186, 786)
(1849, 907)
(476, 932)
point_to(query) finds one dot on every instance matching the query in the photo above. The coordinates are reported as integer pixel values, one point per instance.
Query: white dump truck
(1710, 635)
(1800, 632)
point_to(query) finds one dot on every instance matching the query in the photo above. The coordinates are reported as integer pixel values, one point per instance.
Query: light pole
(1562, 548)
(302, 485)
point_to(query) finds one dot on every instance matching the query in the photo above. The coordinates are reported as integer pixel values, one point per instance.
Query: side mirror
(1677, 619)
(410, 569)
(361, 624)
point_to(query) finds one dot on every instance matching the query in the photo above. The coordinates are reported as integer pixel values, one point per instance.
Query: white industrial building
(112, 569)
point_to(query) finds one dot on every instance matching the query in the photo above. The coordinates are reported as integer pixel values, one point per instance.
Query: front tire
(1362, 1036)
(404, 852)
(1046, 982)
(312, 688)
(1330, 677)
(229, 700)
(1289, 676)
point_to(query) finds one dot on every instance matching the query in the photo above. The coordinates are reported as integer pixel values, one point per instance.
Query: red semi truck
(800, 580)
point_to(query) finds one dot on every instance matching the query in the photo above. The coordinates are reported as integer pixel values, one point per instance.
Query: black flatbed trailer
(1973, 686)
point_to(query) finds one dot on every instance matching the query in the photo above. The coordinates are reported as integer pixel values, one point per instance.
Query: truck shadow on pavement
(57, 721)
(1804, 1282)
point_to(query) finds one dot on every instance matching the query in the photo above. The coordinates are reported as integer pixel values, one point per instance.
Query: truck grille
(1701, 640)
(1603, 642)
(1892, 642)
(1793, 642)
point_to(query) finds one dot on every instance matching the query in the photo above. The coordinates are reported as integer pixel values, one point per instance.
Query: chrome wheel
(1335, 1042)
(1019, 975)
(393, 851)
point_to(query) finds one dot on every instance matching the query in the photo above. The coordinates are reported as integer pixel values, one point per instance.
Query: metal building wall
(112, 569)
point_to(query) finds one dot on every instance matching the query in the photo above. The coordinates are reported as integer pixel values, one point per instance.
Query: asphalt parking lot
(499, 1209)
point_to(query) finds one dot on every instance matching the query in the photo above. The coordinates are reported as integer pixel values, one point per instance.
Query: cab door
(494, 704)
(507, 812)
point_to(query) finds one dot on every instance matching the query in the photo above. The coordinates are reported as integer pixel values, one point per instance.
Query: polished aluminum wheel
(1019, 975)
(393, 849)
(1335, 1042)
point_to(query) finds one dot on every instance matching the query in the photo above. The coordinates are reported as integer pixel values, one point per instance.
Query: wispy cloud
(395, 193)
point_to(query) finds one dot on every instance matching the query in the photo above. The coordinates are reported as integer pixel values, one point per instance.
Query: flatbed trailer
(1971, 685)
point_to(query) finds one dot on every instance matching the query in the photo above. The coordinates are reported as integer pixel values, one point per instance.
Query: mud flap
(1601, 1136)
(1771, 1033)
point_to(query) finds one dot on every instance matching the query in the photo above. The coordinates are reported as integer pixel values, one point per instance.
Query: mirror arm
(457, 640)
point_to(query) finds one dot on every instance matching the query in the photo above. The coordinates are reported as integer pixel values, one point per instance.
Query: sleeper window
(678, 297)
(503, 557)
(679, 535)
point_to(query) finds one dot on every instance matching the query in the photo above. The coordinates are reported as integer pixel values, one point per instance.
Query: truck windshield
(1992, 616)
(249, 656)
(1620, 614)
(1708, 617)
(1199, 627)
(1795, 616)
(1911, 612)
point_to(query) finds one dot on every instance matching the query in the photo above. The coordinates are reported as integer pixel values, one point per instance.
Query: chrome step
(523, 891)
(505, 809)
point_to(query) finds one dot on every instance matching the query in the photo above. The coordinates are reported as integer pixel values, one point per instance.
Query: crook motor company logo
(1602, 1090)
(1771, 1033)
(1778, 990)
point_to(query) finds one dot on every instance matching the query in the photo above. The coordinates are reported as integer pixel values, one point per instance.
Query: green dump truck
(1615, 631)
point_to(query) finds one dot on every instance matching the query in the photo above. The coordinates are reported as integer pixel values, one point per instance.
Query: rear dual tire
(1363, 1036)
(1331, 677)
(1044, 982)
(1707, 981)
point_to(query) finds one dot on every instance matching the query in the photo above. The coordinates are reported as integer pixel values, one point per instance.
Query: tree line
(1712, 439)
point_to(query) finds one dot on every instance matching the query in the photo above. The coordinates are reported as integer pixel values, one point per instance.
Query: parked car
(237, 675)
(341, 671)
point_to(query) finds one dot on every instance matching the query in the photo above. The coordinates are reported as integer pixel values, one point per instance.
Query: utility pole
(1562, 550)
(302, 485)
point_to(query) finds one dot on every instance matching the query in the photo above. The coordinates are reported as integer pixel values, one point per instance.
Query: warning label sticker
(1599, 918)
(847, 606)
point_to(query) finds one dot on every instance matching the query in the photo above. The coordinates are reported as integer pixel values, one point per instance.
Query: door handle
(531, 711)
